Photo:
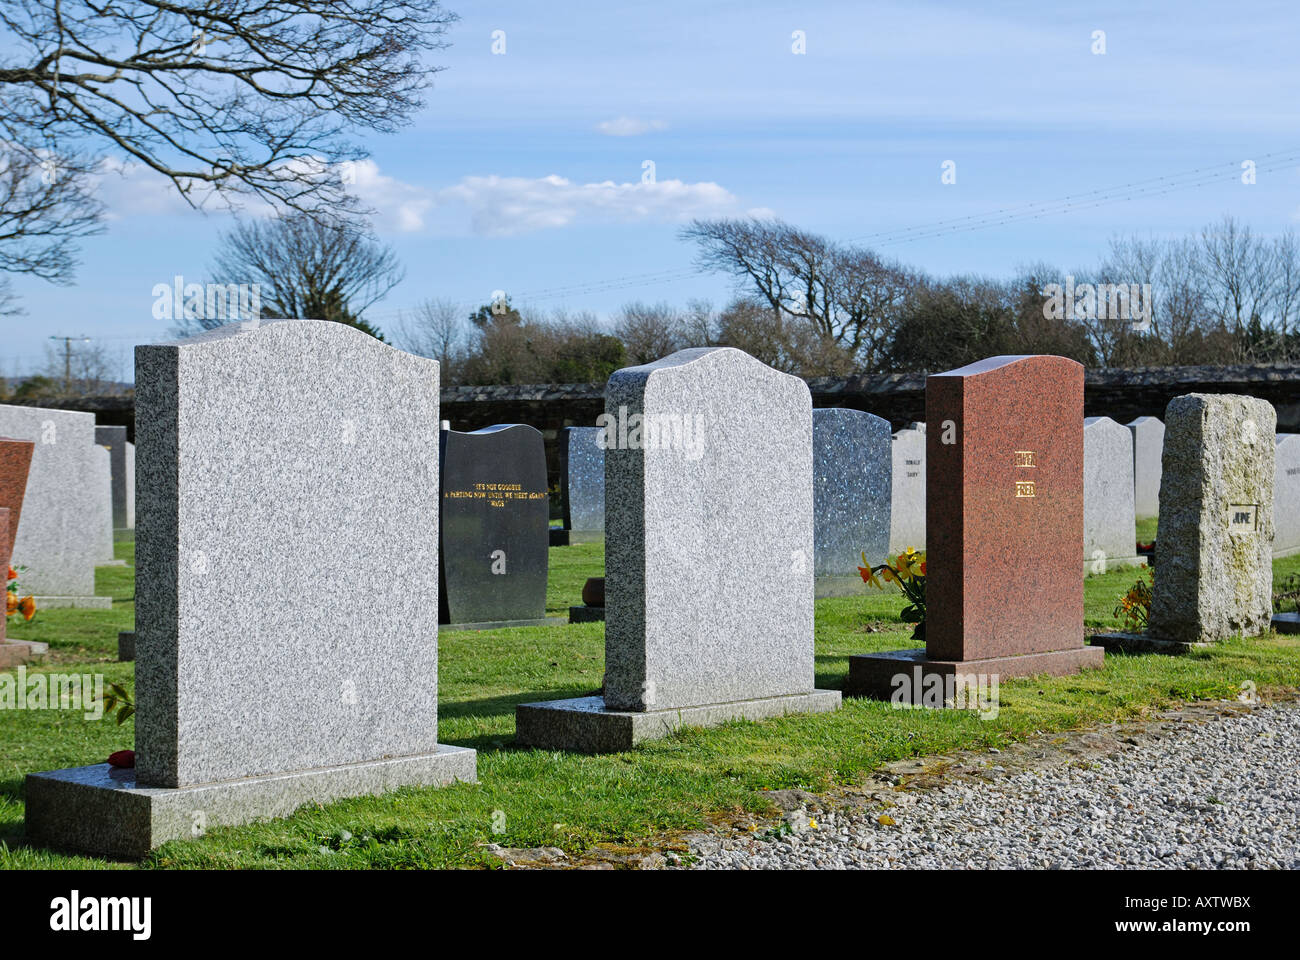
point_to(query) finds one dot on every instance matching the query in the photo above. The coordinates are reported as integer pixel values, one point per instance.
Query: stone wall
(1121, 395)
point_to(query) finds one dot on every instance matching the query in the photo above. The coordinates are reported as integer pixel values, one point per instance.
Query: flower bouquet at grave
(1135, 605)
(26, 606)
(908, 571)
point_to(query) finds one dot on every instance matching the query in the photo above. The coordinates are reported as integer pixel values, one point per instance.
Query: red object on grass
(123, 758)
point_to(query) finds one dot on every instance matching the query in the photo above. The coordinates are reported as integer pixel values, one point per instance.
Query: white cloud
(131, 189)
(629, 127)
(501, 206)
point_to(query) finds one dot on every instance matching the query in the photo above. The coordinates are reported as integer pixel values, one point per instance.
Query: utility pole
(67, 360)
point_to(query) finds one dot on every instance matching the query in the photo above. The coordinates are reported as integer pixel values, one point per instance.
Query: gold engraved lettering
(1025, 488)
(1025, 458)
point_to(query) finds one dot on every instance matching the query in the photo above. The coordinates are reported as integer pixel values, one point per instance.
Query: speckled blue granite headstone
(286, 591)
(582, 484)
(852, 480)
(709, 541)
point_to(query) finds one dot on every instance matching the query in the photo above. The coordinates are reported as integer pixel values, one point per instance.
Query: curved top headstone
(708, 518)
(287, 552)
(852, 490)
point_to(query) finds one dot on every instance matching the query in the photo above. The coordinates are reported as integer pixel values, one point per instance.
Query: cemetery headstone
(582, 484)
(100, 519)
(54, 540)
(495, 516)
(130, 486)
(15, 467)
(1214, 571)
(114, 438)
(1148, 442)
(287, 556)
(1286, 495)
(852, 465)
(708, 573)
(1109, 528)
(907, 494)
(1004, 498)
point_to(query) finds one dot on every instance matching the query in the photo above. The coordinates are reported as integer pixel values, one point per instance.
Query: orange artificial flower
(28, 607)
(11, 604)
(13, 574)
(923, 568)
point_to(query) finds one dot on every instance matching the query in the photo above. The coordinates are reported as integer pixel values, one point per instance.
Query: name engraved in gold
(1025, 488)
(1025, 458)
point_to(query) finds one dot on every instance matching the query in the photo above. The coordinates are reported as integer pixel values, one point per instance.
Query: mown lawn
(539, 798)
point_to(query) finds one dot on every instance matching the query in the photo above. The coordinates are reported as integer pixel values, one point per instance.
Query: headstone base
(110, 563)
(583, 725)
(125, 646)
(1143, 643)
(77, 603)
(585, 614)
(14, 653)
(101, 810)
(837, 586)
(559, 537)
(874, 675)
(1286, 622)
(500, 624)
(1115, 563)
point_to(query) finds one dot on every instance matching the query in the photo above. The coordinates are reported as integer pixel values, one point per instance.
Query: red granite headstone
(5, 556)
(15, 461)
(1004, 520)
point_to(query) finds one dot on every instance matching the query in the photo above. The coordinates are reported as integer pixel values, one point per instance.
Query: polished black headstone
(493, 530)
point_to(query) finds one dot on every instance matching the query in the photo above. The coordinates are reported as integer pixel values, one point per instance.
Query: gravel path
(1206, 795)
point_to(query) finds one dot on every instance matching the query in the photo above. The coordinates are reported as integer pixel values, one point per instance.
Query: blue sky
(524, 170)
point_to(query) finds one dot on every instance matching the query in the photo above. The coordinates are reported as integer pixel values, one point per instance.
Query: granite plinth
(74, 603)
(559, 537)
(1143, 643)
(501, 624)
(876, 675)
(105, 810)
(584, 725)
(583, 614)
(1286, 622)
(14, 653)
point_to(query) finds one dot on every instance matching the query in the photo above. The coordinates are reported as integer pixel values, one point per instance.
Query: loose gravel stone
(1222, 794)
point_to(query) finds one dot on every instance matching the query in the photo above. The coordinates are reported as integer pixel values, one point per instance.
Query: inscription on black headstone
(493, 525)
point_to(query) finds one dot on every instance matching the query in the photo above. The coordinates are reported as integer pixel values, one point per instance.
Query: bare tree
(252, 99)
(304, 268)
(436, 329)
(849, 296)
(650, 331)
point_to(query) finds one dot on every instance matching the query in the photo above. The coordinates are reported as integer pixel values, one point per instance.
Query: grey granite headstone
(583, 484)
(101, 501)
(286, 471)
(55, 542)
(1109, 528)
(130, 486)
(114, 438)
(1286, 495)
(1214, 571)
(907, 494)
(852, 464)
(709, 569)
(1148, 442)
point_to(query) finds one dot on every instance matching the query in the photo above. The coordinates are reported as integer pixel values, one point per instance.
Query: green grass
(621, 800)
